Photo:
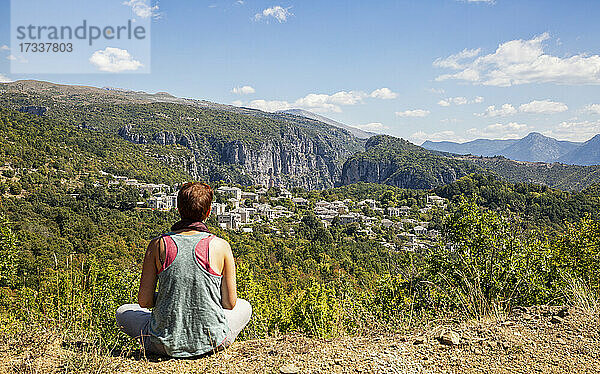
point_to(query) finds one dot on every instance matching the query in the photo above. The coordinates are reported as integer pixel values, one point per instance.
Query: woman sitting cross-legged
(196, 309)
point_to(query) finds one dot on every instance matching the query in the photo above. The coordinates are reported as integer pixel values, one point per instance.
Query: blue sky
(438, 70)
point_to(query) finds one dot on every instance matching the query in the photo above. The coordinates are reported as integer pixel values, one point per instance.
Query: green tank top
(188, 318)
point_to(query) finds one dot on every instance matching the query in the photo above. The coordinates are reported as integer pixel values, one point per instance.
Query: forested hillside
(397, 162)
(72, 241)
(222, 142)
(215, 142)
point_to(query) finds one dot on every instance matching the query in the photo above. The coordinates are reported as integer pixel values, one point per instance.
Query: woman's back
(188, 318)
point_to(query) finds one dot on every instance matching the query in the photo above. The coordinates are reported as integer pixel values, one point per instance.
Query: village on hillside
(239, 210)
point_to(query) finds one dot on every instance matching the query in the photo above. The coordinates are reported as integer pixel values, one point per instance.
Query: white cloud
(114, 60)
(240, 2)
(142, 9)
(11, 57)
(511, 130)
(436, 90)
(446, 135)
(450, 120)
(543, 107)
(491, 2)
(460, 100)
(243, 90)
(5, 48)
(279, 13)
(373, 126)
(491, 111)
(330, 103)
(535, 106)
(592, 108)
(4, 79)
(383, 93)
(322, 103)
(265, 105)
(577, 131)
(520, 62)
(413, 113)
(456, 61)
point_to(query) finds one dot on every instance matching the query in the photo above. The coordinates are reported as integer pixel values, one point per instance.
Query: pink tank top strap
(170, 251)
(202, 254)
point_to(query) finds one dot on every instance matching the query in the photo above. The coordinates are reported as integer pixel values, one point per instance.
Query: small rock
(419, 340)
(556, 319)
(450, 338)
(561, 341)
(337, 361)
(289, 369)
(507, 323)
(563, 312)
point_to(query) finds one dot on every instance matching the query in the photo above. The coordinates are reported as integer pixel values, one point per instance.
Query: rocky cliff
(293, 158)
(400, 163)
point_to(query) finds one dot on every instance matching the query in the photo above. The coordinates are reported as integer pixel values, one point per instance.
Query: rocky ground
(539, 339)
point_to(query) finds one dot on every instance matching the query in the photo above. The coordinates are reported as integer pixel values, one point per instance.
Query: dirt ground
(539, 339)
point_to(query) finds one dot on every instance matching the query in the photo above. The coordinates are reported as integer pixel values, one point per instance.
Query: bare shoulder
(154, 244)
(220, 244)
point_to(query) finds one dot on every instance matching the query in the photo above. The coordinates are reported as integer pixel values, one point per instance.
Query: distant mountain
(478, 147)
(535, 147)
(586, 154)
(353, 130)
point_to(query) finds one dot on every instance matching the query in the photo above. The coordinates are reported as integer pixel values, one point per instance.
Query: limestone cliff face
(399, 163)
(387, 172)
(294, 158)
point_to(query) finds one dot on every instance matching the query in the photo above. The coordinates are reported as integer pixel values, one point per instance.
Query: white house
(435, 200)
(233, 192)
(420, 230)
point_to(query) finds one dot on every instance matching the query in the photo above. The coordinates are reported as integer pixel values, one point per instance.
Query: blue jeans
(135, 322)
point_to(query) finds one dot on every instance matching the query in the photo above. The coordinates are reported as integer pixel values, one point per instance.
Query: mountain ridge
(534, 147)
(217, 142)
(361, 134)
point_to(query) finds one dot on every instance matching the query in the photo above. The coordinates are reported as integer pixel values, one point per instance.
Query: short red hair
(193, 201)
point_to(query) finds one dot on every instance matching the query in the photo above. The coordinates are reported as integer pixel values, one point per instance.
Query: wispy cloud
(373, 126)
(511, 130)
(4, 79)
(436, 90)
(460, 100)
(592, 108)
(413, 113)
(543, 107)
(535, 106)
(520, 62)
(243, 90)
(276, 12)
(446, 135)
(5, 48)
(114, 60)
(142, 9)
(321, 103)
(578, 131)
